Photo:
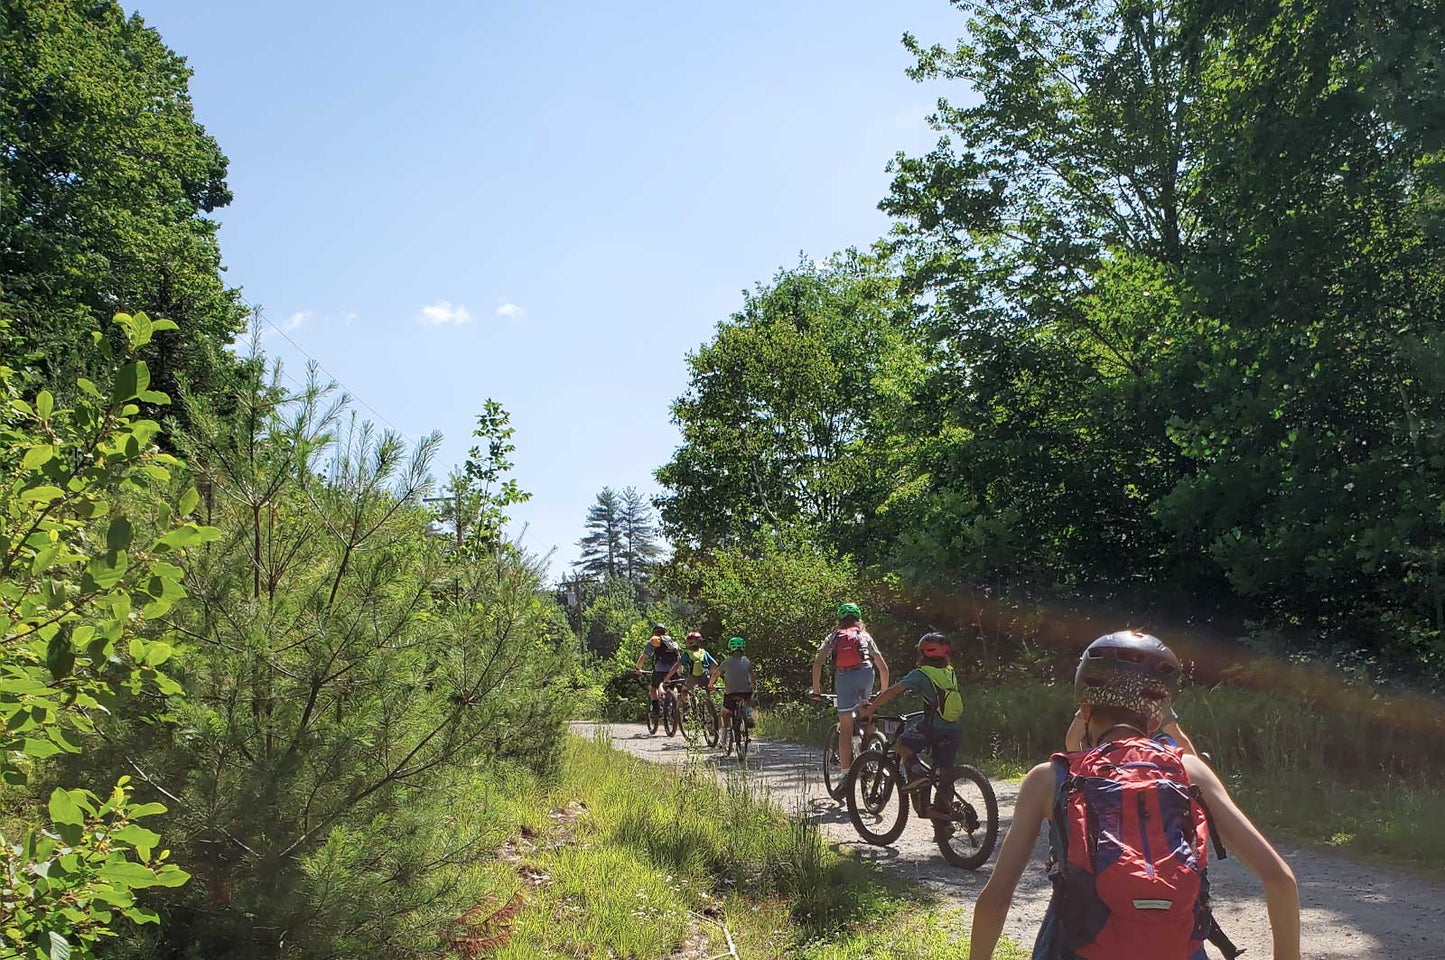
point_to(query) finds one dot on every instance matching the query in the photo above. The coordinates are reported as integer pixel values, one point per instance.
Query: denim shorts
(853, 687)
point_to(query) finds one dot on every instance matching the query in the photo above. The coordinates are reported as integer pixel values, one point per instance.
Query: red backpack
(848, 648)
(1129, 841)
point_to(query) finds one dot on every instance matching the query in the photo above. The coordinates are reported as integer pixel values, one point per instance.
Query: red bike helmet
(694, 637)
(935, 645)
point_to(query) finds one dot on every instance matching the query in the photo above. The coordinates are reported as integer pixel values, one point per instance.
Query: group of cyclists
(697, 667)
(1130, 807)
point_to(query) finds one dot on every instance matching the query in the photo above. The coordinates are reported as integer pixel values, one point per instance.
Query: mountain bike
(650, 716)
(835, 776)
(701, 715)
(671, 713)
(879, 799)
(737, 738)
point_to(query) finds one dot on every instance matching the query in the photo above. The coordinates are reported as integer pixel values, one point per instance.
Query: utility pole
(456, 511)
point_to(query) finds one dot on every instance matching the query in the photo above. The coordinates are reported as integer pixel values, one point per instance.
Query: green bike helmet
(737, 644)
(850, 610)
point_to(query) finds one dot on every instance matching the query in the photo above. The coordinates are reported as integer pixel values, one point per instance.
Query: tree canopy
(106, 180)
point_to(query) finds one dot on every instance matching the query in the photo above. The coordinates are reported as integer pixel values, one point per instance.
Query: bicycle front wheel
(687, 721)
(974, 820)
(877, 804)
(670, 719)
(652, 717)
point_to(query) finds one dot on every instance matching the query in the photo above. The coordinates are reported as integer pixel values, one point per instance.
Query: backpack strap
(1198, 794)
(1059, 824)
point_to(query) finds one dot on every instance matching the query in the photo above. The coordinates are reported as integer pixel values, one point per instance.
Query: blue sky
(544, 203)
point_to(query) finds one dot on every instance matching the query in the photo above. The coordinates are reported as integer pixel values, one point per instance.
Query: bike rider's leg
(653, 693)
(945, 752)
(845, 740)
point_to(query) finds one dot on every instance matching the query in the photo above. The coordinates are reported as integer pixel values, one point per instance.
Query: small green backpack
(948, 702)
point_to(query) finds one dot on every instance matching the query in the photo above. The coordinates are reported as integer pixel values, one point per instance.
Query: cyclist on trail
(738, 683)
(936, 732)
(854, 654)
(1130, 824)
(696, 665)
(665, 654)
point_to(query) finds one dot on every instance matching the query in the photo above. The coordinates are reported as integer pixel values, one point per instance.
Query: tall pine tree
(639, 539)
(602, 547)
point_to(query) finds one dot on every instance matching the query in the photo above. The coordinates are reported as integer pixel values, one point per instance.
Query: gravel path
(1350, 910)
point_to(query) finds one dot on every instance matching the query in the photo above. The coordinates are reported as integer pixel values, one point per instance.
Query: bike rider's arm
(641, 657)
(1074, 739)
(818, 668)
(882, 666)
(1243, 839)
(871, 706)
(1018, 846)
(676, 665)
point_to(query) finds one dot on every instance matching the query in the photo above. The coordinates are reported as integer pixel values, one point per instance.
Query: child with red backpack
(854, 655)
(1131, 822)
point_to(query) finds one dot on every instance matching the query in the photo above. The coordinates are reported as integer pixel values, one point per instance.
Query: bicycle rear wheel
(877, 804)
(835, 777)
(670, 718)
(974, 820)
(709, 722)
(652, 717)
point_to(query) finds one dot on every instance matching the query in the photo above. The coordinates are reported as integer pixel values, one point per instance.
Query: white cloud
(298, 318)
(444, 313)
(511, 311)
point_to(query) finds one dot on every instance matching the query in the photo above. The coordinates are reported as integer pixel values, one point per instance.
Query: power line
(320, 366)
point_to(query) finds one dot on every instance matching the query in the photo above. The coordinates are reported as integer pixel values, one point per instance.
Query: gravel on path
(1350, 910)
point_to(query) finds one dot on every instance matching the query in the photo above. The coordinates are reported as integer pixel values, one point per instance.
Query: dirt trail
(1350, 910)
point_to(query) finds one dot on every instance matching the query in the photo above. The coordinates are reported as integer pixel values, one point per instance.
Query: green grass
(651, 863)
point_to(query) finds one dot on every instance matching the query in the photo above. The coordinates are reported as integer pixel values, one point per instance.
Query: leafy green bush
(89, 539)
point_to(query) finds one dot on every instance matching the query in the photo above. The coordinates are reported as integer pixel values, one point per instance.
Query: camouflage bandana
(1132, 692)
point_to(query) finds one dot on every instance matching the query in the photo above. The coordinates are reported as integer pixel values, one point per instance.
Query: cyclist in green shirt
(695, 665)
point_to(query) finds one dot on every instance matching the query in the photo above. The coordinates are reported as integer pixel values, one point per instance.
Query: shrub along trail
(1350, 909)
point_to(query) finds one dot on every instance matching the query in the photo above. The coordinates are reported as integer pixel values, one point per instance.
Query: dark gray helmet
(658, 628)
(1129, 670)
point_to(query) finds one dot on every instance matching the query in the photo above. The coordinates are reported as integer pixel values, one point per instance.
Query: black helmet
(1129, 670)
(659, 628)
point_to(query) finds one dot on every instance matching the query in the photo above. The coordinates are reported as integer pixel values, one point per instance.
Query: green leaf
(188, 535)
(44, 404)
(59, 947)
(156, 397)
(145, 810)
(37, 456)
(127, 873)
(63, 809)
(39, 749)
(157, 652)
(189, 501)
(138, 837)
(130, 381)
(59, 655)
(120, 534)
(89, 387)
(41, 494)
